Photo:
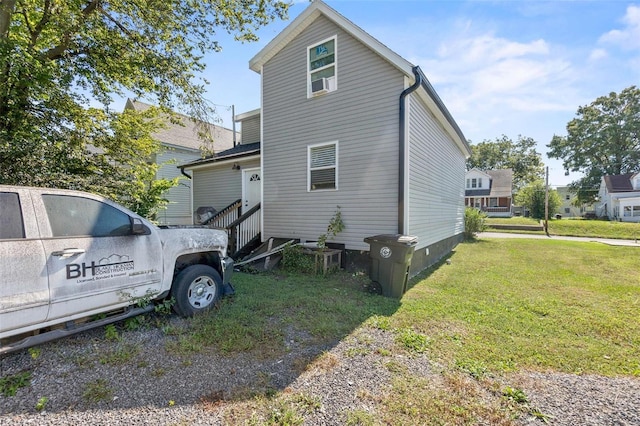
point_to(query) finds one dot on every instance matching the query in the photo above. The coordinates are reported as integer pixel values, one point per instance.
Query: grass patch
(530, 304)
(574, 227)
(595, 228)
(271, 310)
(516, 220)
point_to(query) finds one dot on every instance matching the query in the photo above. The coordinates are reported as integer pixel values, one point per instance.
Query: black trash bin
(391, 256)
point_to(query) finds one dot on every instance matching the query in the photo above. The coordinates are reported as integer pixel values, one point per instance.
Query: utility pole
(546, 202)
(233, 120)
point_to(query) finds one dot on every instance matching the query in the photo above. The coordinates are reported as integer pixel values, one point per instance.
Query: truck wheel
(196, 289)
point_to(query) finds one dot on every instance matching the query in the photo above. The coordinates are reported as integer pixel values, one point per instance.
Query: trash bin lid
(393, 239)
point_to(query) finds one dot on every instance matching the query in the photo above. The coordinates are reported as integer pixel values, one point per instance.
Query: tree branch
(46, 15)
(7, 8)
(57, 51)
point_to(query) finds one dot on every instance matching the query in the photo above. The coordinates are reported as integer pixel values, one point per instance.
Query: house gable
(319, 9)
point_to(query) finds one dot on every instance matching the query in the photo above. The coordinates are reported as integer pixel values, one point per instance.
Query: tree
(603, 139)
(532, 197)
(504, 153)
(59, 56)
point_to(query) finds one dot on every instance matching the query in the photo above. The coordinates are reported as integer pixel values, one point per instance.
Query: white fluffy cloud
(627, 38)
(486, 71)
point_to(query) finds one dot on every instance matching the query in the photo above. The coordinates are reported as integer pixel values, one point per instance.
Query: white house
(181, 144)
(619, 197)
(490, 191)
(344, 121)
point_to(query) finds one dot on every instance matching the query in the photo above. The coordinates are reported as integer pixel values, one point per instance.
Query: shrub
(474, 222)
(294, 260)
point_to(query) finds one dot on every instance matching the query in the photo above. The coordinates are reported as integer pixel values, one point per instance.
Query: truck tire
(196, 289)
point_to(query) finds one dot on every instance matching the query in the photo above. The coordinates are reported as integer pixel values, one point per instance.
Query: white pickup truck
(70, 261)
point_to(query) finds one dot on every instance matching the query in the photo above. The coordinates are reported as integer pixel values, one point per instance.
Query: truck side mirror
(138, 228)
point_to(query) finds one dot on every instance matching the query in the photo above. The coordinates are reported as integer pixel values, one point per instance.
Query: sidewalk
(609, 241)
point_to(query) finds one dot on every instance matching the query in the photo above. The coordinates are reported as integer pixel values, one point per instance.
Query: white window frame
(333, 86)
(309, 169)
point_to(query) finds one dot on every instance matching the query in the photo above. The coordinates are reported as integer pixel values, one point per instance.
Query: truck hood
(186, 239)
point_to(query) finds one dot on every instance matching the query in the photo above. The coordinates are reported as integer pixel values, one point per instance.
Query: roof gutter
(402, 146)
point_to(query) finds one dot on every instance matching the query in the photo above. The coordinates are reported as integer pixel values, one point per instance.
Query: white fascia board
(248, 114)
(226, 161)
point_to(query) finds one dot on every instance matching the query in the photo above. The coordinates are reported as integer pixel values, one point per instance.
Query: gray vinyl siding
(362, 115)
(251, 130)
(436, 179)
(178, 211)
(218, 186)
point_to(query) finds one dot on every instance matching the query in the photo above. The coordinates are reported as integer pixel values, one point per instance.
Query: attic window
(322, 167)
(322, 61)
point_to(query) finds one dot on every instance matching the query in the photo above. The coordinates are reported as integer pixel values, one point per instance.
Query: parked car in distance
(71, 260)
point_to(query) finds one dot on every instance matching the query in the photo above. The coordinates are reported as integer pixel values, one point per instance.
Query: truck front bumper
(227, 264)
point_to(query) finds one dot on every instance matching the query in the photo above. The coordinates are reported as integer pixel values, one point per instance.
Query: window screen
(322, 167)
(75, 216)
(11, 224)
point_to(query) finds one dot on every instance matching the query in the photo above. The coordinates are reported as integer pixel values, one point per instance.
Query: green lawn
(574, 227)
(501, 306)
(529, 304)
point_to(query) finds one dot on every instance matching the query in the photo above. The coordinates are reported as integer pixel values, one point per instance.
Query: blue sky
(501, 67)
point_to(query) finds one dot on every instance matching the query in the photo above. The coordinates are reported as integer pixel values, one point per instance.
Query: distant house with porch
(619, 197)
(490, 191)
(344, 121)
(181, 144)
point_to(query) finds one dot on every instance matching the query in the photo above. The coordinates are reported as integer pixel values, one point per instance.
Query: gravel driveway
(150, 386)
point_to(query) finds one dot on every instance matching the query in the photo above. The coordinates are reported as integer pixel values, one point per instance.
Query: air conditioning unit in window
(320, 86)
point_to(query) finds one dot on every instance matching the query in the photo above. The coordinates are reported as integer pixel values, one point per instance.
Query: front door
(251, 188)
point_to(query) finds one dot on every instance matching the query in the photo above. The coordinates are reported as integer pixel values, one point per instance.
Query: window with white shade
(322, 61)
(322, 167)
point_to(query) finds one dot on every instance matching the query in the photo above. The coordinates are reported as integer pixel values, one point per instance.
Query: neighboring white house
(344, 121)
(490, 191)
(181, 144)
(568, 208)
(619, 197)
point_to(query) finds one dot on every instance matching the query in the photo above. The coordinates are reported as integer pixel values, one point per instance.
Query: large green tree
(504, 153)
(60, 57)
(533, 195)
(603, 139)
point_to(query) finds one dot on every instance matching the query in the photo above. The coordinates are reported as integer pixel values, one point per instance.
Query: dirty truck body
(71, 260)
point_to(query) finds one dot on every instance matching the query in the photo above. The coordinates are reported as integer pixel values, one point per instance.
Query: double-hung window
(321, 72)
(322, 163)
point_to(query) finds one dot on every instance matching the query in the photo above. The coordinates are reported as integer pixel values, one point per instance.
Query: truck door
(95, 262)
(24, 288)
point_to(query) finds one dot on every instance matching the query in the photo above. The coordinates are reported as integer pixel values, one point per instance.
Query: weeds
(9, 385)
(35, 353)
(515, 395)
(360, 418)
(119, 355)
(413, 341)
(111, 332)
(474, 368)
(97, 391)
(42, 403)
